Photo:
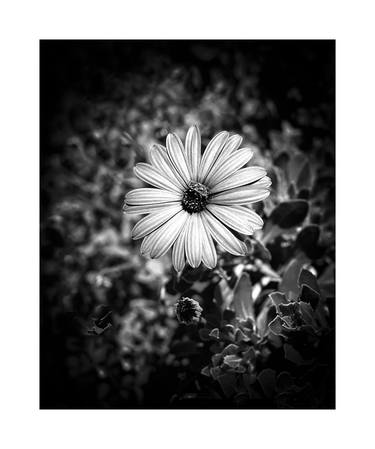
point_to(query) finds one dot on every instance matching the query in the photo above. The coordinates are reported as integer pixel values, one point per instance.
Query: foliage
(109, 333)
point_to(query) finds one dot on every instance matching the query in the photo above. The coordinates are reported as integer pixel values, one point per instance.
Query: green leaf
(290, 213)
(242, 299)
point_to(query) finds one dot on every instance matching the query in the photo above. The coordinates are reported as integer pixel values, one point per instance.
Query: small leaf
(230, 349)
(289, 309)
(214, 333)
(290, 213)
(205, 371)
(242, 299)
(276, 326)
(240, 336)
(278, 298)
(232, 360)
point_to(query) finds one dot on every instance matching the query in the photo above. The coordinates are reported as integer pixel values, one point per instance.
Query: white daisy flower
(197, 198)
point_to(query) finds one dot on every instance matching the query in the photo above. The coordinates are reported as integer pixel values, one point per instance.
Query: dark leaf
(307, 278)
(284, 381)
(290, 213)
(307, 241)
(215, 372)
(307, 313)
(310, 296)
(294, 356)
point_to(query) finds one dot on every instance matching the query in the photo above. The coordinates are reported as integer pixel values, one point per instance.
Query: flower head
(197, 198)
(188, 310)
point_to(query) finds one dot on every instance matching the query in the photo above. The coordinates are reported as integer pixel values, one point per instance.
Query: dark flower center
(195, 197)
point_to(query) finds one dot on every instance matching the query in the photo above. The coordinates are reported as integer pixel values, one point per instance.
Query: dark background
(274, 93)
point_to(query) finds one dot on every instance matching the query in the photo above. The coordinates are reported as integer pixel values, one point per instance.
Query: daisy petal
(250, 215)
(263, 183)
(232, 218)
(228, 166)
(150, 196)
(233, 143)
(209, 256)
(151, 175)
(178, 251)
(240, 195)
(193, 150)
(211, 153)
(145, 246)
(193, 244)
(223, 236)
(176, 153)
(164, 237)
(160, 160)
(241, 177)
(153, 221)
(148, 208)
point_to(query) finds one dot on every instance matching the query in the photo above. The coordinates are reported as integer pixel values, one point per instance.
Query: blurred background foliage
(109, 334)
